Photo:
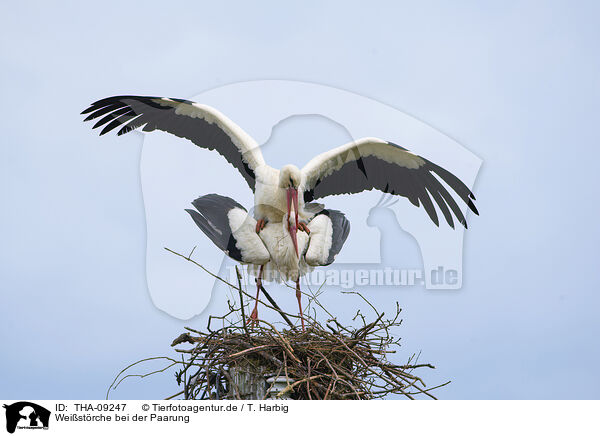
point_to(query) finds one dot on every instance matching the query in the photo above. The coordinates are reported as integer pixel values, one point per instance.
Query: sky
(515, 83)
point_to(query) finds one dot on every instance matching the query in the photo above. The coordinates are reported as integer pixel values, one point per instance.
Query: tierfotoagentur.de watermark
(350, 276)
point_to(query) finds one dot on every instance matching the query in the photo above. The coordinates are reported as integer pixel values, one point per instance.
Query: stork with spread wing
(286, 233)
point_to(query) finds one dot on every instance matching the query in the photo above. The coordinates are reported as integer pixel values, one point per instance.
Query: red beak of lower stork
(292, 199)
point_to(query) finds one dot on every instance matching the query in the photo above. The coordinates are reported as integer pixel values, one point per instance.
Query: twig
(239, 279)
(277, 308)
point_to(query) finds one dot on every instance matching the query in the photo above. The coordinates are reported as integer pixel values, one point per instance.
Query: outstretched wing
(372, 163)
(203, 125)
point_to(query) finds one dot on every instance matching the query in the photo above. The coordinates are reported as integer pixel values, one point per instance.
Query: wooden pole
(253, 383)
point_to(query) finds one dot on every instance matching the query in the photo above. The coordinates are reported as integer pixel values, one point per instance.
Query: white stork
(269, 238)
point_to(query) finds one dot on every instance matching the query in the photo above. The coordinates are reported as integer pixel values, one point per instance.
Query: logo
(26, 415)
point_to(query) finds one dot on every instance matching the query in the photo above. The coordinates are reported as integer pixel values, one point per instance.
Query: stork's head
(289, 179)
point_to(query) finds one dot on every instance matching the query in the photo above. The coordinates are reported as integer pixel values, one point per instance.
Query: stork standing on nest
(286, 232)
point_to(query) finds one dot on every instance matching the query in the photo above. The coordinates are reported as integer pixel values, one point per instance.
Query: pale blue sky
(516, 83)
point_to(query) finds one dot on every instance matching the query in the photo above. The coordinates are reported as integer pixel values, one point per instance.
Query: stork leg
(260, 224)
(299, 297)
(253, 318)
(303, 227)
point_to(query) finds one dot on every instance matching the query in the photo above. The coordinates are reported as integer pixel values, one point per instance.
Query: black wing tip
(99, 104)
(464, 220)
(457, 185)
(472, 207)
(115, 98)
(106, 129)
(89, 117)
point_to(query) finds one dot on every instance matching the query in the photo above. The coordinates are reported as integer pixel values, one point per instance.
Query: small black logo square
(26, 415)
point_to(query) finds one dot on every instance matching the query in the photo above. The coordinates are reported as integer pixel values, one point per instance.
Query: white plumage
(284, 264)
(243, 229)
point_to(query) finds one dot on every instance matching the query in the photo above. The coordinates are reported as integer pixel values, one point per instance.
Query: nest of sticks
(327, 361)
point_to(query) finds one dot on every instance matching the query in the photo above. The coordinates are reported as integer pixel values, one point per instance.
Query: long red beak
(292, 198)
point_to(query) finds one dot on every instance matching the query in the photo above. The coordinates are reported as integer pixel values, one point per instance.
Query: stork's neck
(270, 200)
